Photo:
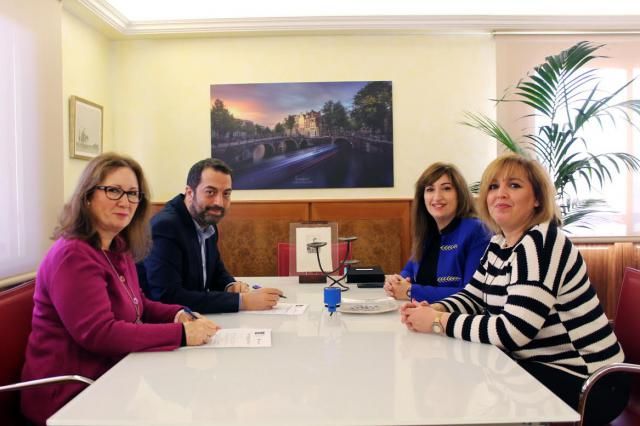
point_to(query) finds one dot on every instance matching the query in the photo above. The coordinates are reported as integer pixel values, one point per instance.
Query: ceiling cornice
(108, 14)
(437, 24)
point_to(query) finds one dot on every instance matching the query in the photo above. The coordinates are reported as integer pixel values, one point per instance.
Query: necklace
(132, 296)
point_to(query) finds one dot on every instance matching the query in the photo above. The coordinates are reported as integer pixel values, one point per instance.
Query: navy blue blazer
(172, 272)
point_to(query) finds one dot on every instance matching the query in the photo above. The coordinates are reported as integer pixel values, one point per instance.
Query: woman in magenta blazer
(89, 311)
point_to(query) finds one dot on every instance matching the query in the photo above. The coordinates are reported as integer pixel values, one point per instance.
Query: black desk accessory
(342, 263)
(366, 276)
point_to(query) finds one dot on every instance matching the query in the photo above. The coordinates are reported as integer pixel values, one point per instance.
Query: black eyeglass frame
(138, 196)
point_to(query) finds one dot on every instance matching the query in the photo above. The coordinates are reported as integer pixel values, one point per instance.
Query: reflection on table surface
(348, 369)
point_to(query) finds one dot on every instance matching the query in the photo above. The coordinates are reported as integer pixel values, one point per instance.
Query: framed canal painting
(304, 135)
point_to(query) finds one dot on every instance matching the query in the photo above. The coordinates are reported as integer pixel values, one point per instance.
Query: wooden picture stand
(312, 278)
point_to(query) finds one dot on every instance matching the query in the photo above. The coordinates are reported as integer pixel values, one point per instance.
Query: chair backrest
(284, 250)
(286, 254)
(16, 308)
(627, 322)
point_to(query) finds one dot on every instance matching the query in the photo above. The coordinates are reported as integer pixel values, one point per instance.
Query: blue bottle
(332, 297)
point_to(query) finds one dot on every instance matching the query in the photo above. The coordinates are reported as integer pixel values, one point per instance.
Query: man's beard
(203, 218)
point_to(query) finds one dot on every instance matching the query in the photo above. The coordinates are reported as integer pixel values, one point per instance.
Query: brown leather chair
(16, 308)
(627, 329)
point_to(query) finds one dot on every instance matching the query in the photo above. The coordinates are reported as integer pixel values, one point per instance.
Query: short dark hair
(195, 173)
(76, 221)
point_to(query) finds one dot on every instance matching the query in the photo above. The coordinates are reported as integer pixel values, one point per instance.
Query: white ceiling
(162, 10)
(148, 17)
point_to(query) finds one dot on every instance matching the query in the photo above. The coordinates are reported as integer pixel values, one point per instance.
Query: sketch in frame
(303, 260)
(306, 259)
(85, 128)
(304, 135)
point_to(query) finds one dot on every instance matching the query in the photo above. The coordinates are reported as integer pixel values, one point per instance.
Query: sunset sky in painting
(269, 103)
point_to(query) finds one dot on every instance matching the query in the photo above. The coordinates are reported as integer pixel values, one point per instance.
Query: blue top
(460, 251)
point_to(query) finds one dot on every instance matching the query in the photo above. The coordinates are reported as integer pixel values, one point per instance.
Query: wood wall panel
(250, 232)
(155, 208)
(597, 258)
(382, 228)
(605, 264)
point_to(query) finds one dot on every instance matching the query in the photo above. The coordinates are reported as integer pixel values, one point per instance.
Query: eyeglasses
(115, 193)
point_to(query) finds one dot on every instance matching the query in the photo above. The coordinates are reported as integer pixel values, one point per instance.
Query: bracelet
(409, 292)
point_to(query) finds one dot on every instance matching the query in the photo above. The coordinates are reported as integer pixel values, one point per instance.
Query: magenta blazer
(84, 322)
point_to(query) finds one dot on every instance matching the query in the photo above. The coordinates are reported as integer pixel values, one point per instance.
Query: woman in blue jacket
(448, 240)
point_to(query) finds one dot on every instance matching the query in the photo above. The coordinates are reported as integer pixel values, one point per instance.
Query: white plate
(372, 306)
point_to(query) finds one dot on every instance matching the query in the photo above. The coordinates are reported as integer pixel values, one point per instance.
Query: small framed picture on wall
(85, 128)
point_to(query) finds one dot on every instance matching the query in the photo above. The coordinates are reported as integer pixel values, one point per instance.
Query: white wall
(87, 63)
(162, 90)
(159, 94)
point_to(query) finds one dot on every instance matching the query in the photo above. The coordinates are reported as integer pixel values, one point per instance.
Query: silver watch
(436, 326)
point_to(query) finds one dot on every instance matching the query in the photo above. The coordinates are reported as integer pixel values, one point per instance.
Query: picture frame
(85, 128)
(304, 135)
(303, 261)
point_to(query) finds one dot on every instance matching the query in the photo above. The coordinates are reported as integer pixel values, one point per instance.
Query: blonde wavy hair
(543, 189)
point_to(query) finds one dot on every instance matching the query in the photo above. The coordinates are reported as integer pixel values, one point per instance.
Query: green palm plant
(565, 94)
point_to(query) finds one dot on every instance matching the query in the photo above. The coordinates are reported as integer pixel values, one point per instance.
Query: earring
(88, 203)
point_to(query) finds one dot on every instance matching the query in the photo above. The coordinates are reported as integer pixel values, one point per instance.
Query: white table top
(353, 369)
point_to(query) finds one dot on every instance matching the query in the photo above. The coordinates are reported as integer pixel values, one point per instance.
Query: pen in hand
(189, 312)
(256, 287)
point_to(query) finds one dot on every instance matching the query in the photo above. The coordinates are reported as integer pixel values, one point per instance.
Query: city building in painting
(304, 135)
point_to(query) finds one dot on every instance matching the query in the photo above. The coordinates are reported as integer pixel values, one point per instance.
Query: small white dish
(368, 306)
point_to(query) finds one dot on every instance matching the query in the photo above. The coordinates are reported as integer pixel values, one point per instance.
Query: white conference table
(353, 369)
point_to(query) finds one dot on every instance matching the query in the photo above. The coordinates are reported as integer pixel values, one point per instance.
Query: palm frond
(584, 213)
(621, 109)
(592, 108)
(492, 129)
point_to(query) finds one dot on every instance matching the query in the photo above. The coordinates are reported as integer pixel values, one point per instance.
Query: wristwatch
(409, 292)
(436, 326)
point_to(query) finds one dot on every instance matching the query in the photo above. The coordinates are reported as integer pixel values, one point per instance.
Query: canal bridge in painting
(255, 150)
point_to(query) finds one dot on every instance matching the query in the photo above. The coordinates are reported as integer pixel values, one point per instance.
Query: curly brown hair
(76, 220)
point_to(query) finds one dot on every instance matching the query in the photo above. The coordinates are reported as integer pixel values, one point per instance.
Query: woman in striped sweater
(531, 295)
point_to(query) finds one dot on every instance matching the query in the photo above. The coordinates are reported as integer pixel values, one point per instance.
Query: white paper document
(239, 338)
(283, 309)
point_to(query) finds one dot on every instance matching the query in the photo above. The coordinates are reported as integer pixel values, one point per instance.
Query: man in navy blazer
(184, 265)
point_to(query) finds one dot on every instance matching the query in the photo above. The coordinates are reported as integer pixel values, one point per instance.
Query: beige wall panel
(87, 62)
(161, 98)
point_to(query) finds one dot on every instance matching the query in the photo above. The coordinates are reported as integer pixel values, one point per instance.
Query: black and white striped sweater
(534, 300)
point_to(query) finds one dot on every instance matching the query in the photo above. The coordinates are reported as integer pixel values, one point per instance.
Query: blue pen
(189, 312)
(256, 287)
